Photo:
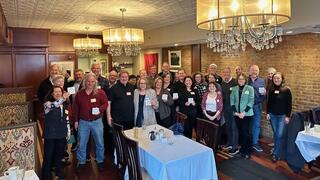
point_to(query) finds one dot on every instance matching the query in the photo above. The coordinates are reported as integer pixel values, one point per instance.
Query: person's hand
(212, 118)
(68, 136)
(236, 114)
(241, 115)
(76, 125)
(286, 120)
(47, 104)
(109, 121)
(153, 102)
(268, 116)
(66, 95)
(187, 104)
(193, 103)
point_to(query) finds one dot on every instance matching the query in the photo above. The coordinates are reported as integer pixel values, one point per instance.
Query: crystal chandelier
(87, 47)
(123, 40)
(233, 23)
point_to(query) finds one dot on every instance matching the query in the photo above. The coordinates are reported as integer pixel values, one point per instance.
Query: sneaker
(227, 147)
(233, 152)
(80, 167)
(100, 166)
(257, 148)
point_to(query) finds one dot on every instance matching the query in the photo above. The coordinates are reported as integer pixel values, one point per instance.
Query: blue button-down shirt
(257, 84)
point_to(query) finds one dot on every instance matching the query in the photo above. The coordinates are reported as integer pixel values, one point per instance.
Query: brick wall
(297, 57)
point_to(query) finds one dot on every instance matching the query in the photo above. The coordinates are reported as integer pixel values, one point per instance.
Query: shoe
(88, 159)
(227, 147)
(271, 151)
(257, 148)
(274, 158)
(100, 166)
(233, 152)
(271, 144)
(80, 167)
(65, 161)
(59, 177)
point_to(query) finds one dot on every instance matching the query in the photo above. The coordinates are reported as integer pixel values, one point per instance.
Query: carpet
(237, 168)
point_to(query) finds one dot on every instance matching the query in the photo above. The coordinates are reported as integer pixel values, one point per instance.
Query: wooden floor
(111, 173)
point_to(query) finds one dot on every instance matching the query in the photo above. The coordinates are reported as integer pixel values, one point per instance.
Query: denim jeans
(232, 130)
(277, 124)
(96, 129)
(255, 123)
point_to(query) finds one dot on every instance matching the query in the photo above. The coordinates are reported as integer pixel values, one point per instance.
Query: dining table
(308, 143)
(172, 157)
(29, 175)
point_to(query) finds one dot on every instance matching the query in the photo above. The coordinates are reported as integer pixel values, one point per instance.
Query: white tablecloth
(309, 144)
(184, 159)
(29, 175)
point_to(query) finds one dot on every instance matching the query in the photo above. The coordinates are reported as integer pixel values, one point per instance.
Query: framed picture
(65, 67)
(175, 59)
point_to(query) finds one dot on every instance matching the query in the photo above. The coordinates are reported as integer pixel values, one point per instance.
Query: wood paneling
(28, 37)
(196, 58)
(61, 42)
(6, 70)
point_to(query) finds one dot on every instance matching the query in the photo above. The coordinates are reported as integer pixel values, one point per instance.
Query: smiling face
(124, 77)
(142, 84)
(211, 78)
(159, 84)
(241, 80)
(78, 76)
(212, 87)
(188, 82)
(91, 82)
(54, 70)
(57, 93)
(254, 71)
(167, 78)
(96, 69)
(198, 78)
(277, 79)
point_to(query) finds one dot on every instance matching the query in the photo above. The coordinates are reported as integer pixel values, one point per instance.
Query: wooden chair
(180, 117)
(116, 131)
(207, 133)
(18, 147)
(315, 115)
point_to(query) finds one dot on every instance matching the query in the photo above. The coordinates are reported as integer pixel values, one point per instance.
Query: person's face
(113, 76)
(254, 72)
(57, 93)
(133, 81)
(226, 74)
(167, 78)
(153, 70)
(96, 69)
(54, 70)
(142, 84)
(211, 78)
(270, 74)
(188, 82)
(212, 88)
(277, 79)
(91, 82)
(212, 69)
(165, 67)
(59, 82)
(143, 74)
(197, 78)
(238, 70)
(181, 75)
(78, 76)
(241, 80)
(124, 78)
(159, 84)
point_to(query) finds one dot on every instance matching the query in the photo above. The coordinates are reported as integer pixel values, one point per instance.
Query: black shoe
(100, 166)
(245, 156)
(65, 161)
(233, 152)
(80, 167)
(274, 158)
(257, 148)
(227, 147)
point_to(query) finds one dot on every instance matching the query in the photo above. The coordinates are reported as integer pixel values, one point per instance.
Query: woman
(165, 102)
(212, 103)
(241, 101)
(188, 97)
(278, 111)
(211, 78)
(167, 81)
(145, 103)
(56, 131)
(201, 87)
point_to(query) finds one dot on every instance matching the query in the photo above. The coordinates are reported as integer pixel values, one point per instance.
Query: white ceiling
(71, 16)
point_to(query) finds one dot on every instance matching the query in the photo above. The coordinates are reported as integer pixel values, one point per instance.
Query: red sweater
(83, 104)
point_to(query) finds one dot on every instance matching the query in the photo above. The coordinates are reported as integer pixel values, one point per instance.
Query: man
(166, 69)
(133, 80)
(46, 85)
(121, 109)
(152, 75)
(213, 70)
(89, 105)
(238, 70)
(143, 73)
(102, 82)
(231, 126)
(113, 77)
(176, 86)
(259, 96)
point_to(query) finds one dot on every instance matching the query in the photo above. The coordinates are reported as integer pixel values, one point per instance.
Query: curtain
(149, 60)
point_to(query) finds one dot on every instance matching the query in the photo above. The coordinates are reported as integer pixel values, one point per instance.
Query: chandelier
(87, 47)
(233, 23)
(123, 40)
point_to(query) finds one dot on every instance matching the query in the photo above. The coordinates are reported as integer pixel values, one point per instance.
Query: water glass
(307, 126)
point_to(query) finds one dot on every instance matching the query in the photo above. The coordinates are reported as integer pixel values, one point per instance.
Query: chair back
(180, 117)
(16, 95)
(315, 115)
(207, 133)
(18, 147)
(15, 113)
(117, 130)
(132, 155)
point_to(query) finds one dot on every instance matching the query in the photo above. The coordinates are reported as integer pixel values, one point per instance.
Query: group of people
(233, 103)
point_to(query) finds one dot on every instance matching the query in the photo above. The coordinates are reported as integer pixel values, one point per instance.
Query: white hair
(271, 70)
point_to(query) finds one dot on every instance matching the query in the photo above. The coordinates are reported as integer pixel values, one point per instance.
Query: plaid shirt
(201, 88)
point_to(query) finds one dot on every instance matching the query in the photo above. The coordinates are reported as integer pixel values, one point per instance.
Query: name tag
(95, 111)
(231, 89)
(165, 97)
(98, 87)
(169, 89)
(93, 100)
(190, 100)
(175, 96)
(128, 93)
(246, 92)
(148, 101)
(71, 90)
(192, 93)
(262, 90)
(204, 88)
(276, 91)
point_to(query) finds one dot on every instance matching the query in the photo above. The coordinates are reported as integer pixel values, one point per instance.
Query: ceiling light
(233, 23)
(123, 40)
(176, 44)
(87, 46)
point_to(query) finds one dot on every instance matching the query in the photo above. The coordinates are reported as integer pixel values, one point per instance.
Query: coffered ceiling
(71, 16)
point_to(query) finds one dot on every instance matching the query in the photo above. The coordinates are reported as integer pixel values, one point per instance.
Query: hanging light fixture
(232, 23)
(123, 40)
(87, 47)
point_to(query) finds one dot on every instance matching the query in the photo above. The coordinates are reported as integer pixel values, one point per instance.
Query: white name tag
(190, 100)
(175, 96)
(276, 91)
(204, 88)
(262, 90)
(231, 89)
(71, 90)
(148, 101)
(169, 89)
(93, 100)
(192, 93)
(95, 111)
(165, 97)
(246, 92)
(128, 93)
(98, 87)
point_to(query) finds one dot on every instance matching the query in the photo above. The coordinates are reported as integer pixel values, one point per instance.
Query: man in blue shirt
(259, 96)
